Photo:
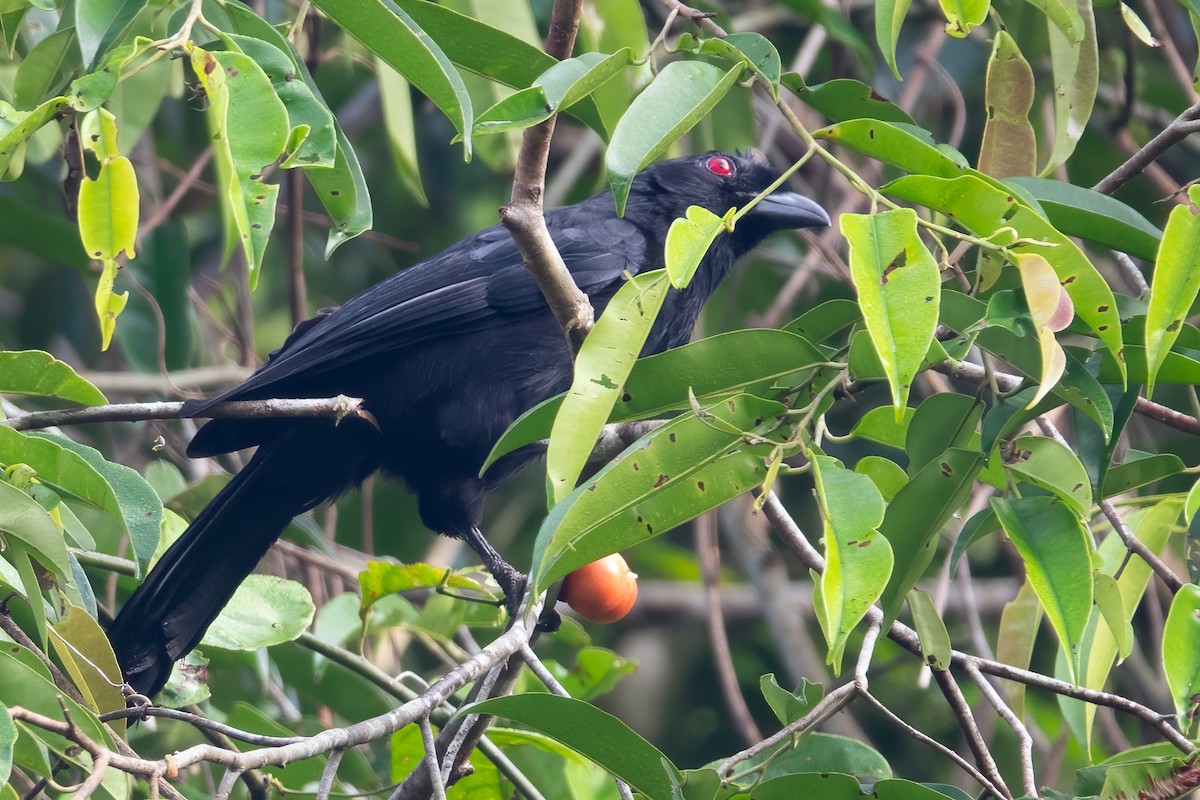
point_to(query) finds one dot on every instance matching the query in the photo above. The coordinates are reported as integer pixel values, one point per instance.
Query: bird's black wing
(477, 283)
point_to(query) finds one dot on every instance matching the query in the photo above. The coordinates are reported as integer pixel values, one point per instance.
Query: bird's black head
(719, 182)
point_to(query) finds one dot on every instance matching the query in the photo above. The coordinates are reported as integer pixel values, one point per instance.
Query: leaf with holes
(669, 476)
(986, 209)
(899, 287)
(603, 364)
(249, 130)
(858, 561)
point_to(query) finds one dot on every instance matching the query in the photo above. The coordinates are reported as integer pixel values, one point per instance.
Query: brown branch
(966, 720)
(709, 555)
(297, 287)
(1184, 125)
(523, 216)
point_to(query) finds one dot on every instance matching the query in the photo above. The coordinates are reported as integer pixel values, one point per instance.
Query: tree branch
(1183, 126)
(339, 408)
(523, 216)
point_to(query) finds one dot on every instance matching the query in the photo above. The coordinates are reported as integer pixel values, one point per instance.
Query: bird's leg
(512, 581)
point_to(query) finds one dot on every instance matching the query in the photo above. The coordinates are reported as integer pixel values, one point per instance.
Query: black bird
(445, 354)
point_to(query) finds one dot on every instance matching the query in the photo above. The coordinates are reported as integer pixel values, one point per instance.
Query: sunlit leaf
(681, 94)
(858, 561)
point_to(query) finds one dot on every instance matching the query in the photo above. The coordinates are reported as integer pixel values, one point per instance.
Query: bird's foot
(513, 583)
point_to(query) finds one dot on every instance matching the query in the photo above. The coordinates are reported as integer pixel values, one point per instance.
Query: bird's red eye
(720, 165)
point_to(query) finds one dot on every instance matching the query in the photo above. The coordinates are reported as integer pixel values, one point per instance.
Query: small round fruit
(602, 591)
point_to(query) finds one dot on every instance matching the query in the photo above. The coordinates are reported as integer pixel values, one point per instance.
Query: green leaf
(1181, 652)
(846, 98)
(138, 508)
(342, 190)
(265, 610)
(601, 367)
(880, 425)
(1079, 211)
(396, 100)
(834, 754)
(313, 138)
(720, 365)
(43, 69)
(1153, 526)
(83, 648)
(1053, 466)
(669, 476)
(100, 23)
(681, 94)
(858, 561)
(1175, 285)
(392, 34)
(899, 287)
(752, 49)
(27, 522)
(931, 630)
(889, 18)
(822, 321)
(558, 88)
(1140, 469)
(38, 373)
(888, 476)
(1009, 146)
(108, 214)
(494, 53)
(1074, 60)
(17, 126)
(1137, 27)
(942, 421)
(907, 147)
(688, 240)
(1057, 555)
(986, 209)
(593, 733)
(963, 16)
(8, 738)
(1112, 611)
(790, 706)
(28, 686)
(1019, 624)
(918, 513)
(381, 579)
(249, 127)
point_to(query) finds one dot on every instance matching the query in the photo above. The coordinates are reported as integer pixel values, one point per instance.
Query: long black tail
(168, 614)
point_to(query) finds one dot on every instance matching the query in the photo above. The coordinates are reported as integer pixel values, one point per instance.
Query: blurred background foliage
(190, 315)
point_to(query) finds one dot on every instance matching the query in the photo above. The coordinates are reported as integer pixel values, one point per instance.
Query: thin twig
(329, 775)
(966, 720)
(1180, 128)
(710, 572)
(431, 760)
(1028, 778)
(830, 704)
(963, 764)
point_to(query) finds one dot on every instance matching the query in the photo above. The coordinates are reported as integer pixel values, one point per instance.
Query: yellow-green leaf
(1175, 285)
(858, 561)
(899, 290)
